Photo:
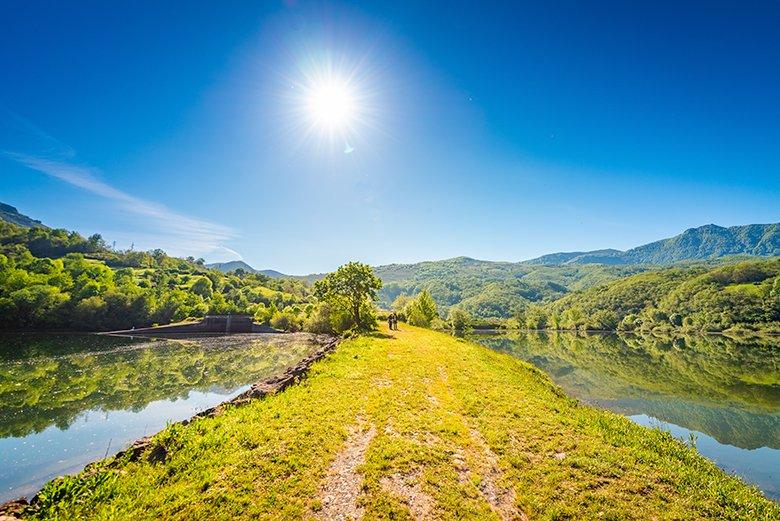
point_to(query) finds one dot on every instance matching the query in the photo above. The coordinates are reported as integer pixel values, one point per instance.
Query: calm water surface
(66, 400)
(723, 392)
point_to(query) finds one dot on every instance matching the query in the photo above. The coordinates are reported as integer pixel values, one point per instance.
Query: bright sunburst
(331, 104)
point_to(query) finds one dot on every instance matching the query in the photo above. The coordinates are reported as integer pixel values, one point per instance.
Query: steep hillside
(745, 295)
(10, 214)
(488, 289)
(710, 241)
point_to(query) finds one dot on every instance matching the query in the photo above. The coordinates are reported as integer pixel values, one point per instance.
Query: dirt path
(340, 491)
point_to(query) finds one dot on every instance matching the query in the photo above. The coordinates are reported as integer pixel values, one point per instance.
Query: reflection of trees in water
(726, 388)
(729, 425)
(84, 373)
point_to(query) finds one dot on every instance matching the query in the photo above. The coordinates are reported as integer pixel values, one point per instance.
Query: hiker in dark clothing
(392, 321)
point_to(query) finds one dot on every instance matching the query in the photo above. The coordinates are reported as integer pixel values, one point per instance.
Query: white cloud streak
(175, 232)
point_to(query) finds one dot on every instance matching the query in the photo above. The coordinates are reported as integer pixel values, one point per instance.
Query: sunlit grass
(430, 396)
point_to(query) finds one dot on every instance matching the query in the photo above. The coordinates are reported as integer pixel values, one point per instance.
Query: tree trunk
(356, 312)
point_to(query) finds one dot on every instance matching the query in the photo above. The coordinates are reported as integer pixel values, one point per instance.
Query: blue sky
(496, 131)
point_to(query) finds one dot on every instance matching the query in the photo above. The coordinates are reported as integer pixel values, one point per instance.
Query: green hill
(488, 289)
(745, 295)
(56, 279)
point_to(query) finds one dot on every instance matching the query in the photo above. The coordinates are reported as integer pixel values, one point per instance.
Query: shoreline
(393, 368)
(258, 390)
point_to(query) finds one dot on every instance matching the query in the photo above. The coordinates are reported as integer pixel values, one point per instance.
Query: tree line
(740, 297)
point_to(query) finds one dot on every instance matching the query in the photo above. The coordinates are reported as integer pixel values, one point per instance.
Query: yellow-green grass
(442, 410)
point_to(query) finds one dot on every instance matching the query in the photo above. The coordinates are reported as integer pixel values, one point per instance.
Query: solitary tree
(352, 285)
(203, 287)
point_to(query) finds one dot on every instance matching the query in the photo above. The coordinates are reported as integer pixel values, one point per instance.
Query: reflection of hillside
(732, 426)
(41, 391)
(715, 385)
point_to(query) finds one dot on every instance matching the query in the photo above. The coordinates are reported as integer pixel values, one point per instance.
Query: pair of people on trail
(392, 321)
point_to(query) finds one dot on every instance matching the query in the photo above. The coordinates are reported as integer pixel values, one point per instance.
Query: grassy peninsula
(409, 424)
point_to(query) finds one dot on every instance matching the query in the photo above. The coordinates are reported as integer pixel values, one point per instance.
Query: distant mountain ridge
(705, 242)
(10, 214)
(228, 267)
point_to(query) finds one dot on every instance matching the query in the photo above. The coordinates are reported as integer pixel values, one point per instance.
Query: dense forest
(55, 279)
(741, 296)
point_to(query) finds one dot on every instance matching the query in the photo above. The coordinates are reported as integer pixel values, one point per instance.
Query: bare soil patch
(340, 491)
(409, 490)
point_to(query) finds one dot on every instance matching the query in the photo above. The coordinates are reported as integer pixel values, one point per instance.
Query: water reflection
(66, 400)
(725, 391)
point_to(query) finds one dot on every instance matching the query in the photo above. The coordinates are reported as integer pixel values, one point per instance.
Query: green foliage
(458, 320)
(203, 287)
(741, 296)
(286, 321)
(319, 320)
(53, 279)
(352, 288)
(422, 310)
(490, 290)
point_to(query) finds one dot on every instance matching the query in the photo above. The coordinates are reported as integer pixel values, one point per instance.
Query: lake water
(723, 392)
(67, 400)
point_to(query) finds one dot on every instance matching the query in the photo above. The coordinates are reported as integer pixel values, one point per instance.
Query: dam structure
(211, 324)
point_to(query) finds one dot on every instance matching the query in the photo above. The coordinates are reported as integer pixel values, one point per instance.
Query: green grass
(432, 398)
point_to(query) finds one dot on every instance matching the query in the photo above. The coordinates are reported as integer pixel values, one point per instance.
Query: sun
(331, 104)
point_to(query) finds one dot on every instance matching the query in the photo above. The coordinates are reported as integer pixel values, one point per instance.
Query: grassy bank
(411, 424)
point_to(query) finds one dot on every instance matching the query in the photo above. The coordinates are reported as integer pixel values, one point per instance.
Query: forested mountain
(10, 214)
(502, 289)
(705, 242)
(745, 295)
(488, 289)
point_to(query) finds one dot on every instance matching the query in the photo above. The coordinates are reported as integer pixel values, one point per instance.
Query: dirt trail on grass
(341, 488)
(502, 500)
(409, 489)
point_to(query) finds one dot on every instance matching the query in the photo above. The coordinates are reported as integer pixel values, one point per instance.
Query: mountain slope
(10, 214)
(227, 267)
(231, 266)
(742, 295)
(705, 242)
(708, 242)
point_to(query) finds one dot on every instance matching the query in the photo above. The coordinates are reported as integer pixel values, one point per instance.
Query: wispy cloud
(171, 230)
